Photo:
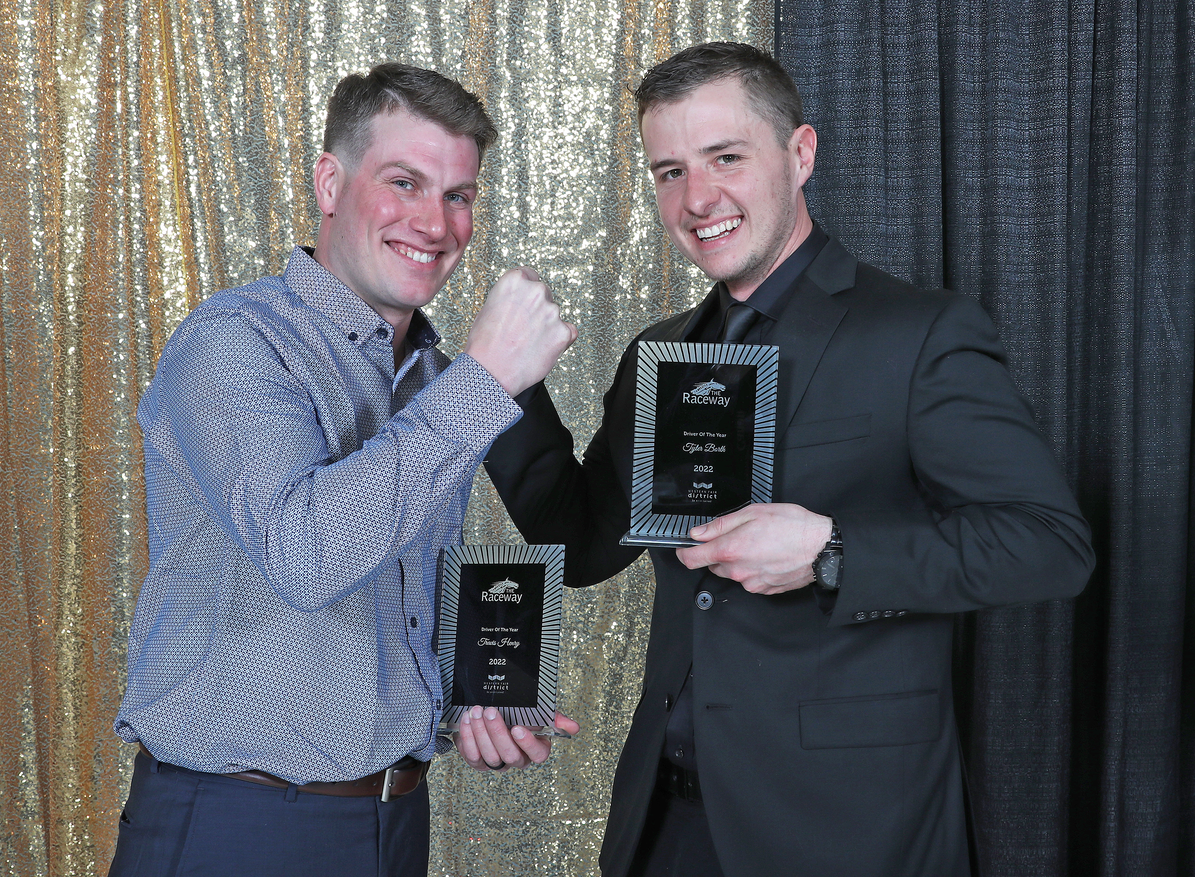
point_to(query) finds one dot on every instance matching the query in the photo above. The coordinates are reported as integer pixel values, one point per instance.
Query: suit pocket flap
(890, 720)
(823, 432)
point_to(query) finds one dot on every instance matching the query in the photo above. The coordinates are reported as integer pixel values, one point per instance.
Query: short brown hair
(391, 86)
(770, 90)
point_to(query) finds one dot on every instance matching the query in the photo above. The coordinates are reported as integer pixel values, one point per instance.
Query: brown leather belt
(394, 782)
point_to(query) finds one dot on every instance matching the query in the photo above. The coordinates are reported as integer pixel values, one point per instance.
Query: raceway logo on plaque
(499, 638)
(705, 431)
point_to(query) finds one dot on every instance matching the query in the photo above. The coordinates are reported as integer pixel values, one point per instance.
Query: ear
(802, 147)
(330, 177)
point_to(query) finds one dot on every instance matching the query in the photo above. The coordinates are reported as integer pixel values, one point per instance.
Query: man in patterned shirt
(308, 452)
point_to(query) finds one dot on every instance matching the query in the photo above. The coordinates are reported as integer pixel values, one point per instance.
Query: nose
(700, 193)
(430, 217)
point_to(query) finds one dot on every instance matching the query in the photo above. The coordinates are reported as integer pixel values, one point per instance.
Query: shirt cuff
(466, 404)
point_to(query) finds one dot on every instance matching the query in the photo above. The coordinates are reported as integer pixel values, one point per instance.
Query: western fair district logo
(502, 592)
(707, 393)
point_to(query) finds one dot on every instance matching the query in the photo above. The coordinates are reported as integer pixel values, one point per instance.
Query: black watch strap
(827, 566)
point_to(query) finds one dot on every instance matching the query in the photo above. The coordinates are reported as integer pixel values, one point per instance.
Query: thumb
(721, 525)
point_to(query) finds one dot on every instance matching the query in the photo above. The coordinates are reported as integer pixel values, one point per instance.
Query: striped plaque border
(646, 526)
(542, 714)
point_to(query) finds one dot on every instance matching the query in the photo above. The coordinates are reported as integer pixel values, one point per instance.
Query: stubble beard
(758, 264)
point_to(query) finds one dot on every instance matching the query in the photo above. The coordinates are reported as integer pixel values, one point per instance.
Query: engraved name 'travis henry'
(502, 592)
(706, 393)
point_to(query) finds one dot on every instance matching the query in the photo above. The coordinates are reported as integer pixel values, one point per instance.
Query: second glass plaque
(499, 638)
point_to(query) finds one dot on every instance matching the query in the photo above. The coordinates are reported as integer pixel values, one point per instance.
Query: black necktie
(735, 323)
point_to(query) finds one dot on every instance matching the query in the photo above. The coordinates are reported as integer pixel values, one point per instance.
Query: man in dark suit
(796, 716)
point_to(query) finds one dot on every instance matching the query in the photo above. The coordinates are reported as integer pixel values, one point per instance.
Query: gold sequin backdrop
(152, 152)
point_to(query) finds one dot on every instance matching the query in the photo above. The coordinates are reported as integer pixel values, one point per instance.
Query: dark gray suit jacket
(825, 735)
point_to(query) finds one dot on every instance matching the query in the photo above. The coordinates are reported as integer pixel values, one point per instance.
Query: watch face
(826, 569)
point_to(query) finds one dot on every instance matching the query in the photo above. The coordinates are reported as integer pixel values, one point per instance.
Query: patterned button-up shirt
(299, 492)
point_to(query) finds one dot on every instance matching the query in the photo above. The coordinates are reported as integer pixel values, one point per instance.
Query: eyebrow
(421, 177)
(720, 146)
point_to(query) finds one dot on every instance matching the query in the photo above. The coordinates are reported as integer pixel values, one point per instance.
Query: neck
(401, 325)
(741, 290)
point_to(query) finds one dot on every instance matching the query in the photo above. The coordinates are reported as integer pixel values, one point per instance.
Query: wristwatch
(827, 566)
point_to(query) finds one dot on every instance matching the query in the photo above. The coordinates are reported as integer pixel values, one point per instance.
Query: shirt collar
(769, 297)
(322, 290)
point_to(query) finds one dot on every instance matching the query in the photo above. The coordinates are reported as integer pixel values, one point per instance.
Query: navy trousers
(180, 823)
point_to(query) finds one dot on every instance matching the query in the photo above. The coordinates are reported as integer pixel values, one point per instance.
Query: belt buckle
(386, 784)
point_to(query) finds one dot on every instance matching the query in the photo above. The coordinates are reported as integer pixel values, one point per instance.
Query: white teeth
(417, 255)
(721, 228)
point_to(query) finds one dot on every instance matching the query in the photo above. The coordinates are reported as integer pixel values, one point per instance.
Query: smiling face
(728, 193)
(395, 226)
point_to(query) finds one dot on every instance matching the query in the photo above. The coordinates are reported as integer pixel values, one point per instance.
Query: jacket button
(668, 702)
(705, 600)
(860, 616)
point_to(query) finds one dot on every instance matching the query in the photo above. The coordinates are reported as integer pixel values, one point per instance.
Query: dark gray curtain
(1039, 156)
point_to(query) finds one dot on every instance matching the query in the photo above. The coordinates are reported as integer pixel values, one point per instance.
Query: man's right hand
(519, 335)
(486, 744)
(768, 548)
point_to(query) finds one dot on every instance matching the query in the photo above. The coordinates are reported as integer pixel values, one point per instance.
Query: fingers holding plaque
(705, 433)
(499, 641)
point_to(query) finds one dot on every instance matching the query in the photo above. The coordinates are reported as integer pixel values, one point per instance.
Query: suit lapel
(809, 320)
(802, 333)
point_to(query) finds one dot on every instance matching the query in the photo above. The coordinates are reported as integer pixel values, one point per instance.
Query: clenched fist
(519, 335)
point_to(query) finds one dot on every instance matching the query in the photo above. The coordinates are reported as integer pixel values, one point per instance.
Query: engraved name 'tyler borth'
(708, 448)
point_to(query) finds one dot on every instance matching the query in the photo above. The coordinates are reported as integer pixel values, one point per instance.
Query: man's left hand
(485, 743)
(768, 548)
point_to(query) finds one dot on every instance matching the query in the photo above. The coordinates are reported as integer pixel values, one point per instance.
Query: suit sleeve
(999, 525)
(555, 499)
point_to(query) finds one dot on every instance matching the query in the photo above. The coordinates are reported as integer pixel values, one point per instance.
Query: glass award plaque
(499, 638)
(705, 436)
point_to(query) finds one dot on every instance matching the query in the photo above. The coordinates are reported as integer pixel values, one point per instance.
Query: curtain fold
(1038, 156)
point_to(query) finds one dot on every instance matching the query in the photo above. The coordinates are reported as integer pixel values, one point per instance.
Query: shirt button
(352, 336)
(705, 600)
(381, 331)
(414, 621)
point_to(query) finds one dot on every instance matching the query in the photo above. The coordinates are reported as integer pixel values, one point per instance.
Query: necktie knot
(735, 323)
